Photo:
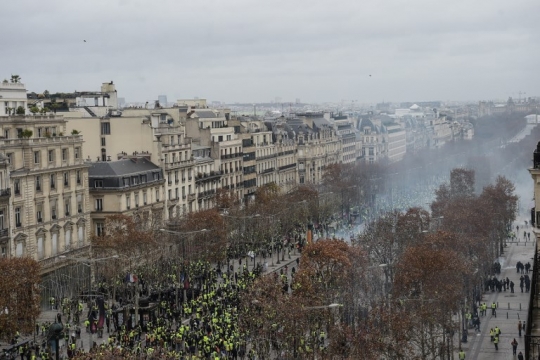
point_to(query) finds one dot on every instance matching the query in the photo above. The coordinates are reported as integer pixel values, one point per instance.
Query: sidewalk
(510, 309)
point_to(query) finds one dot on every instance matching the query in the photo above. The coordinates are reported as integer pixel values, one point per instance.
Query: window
(1, 219)
(128, 202)
(40, 246)
(78, 177)
(77, 152)
(176, 193)
(6, 133)
(66, 179)
(39, 213)
(100, 228)
(79, 204)
(143, 179)
(38, 183)
(64, 154)
(98, 183)
(68, 238)
(81, 234)
(36, 157)
(99, 204)
(3, 250)
(18, 217)
(17, 186)
(19, 250)
(67, 207)
(135, 180)
(51, 155)
(136, 200)
(53, 181)
(105, 128)
(157, 194)
(126, 181)
(54, 243)
(170, 194)
(53, 209)
(144, 198)
(10, 158)
(103, 141)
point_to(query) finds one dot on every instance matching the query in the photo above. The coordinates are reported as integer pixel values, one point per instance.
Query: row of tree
(403, 284)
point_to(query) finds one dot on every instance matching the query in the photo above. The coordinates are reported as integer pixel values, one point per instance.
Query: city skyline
(240, 52)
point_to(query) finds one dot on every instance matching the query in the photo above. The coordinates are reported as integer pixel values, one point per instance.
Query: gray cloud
(240, 50)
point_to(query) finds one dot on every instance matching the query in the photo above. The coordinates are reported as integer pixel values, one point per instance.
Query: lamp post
(183, 257)
(330, 306)
(343, 203)
(308, 308)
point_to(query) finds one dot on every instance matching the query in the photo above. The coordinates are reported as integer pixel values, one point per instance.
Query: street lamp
(183, 256)
(330, 306)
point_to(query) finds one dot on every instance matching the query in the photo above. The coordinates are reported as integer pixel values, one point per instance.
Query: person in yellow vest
(461, 354)
(496, 342)
(493, 309)
(492, 334)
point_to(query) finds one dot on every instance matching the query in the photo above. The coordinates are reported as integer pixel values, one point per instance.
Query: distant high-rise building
(278, 100)
(162, 100)
(298, 101)
(121, 102)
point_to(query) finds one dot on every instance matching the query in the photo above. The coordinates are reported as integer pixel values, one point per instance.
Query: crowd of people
(201, 325)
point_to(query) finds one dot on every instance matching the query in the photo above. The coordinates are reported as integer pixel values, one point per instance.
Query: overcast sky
(254, 51)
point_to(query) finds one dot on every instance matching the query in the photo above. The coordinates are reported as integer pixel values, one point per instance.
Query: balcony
(207, 176)
(192, 197)
(285, 167)
(178, 164)
(206, 193)
(4, 233)
(266, 157)
(5, 192)
(72, 139)
(269, 170)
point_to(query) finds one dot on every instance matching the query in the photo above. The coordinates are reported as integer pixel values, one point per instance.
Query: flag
(131, 278)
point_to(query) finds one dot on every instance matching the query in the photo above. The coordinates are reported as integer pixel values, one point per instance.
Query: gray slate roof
(121, 167)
